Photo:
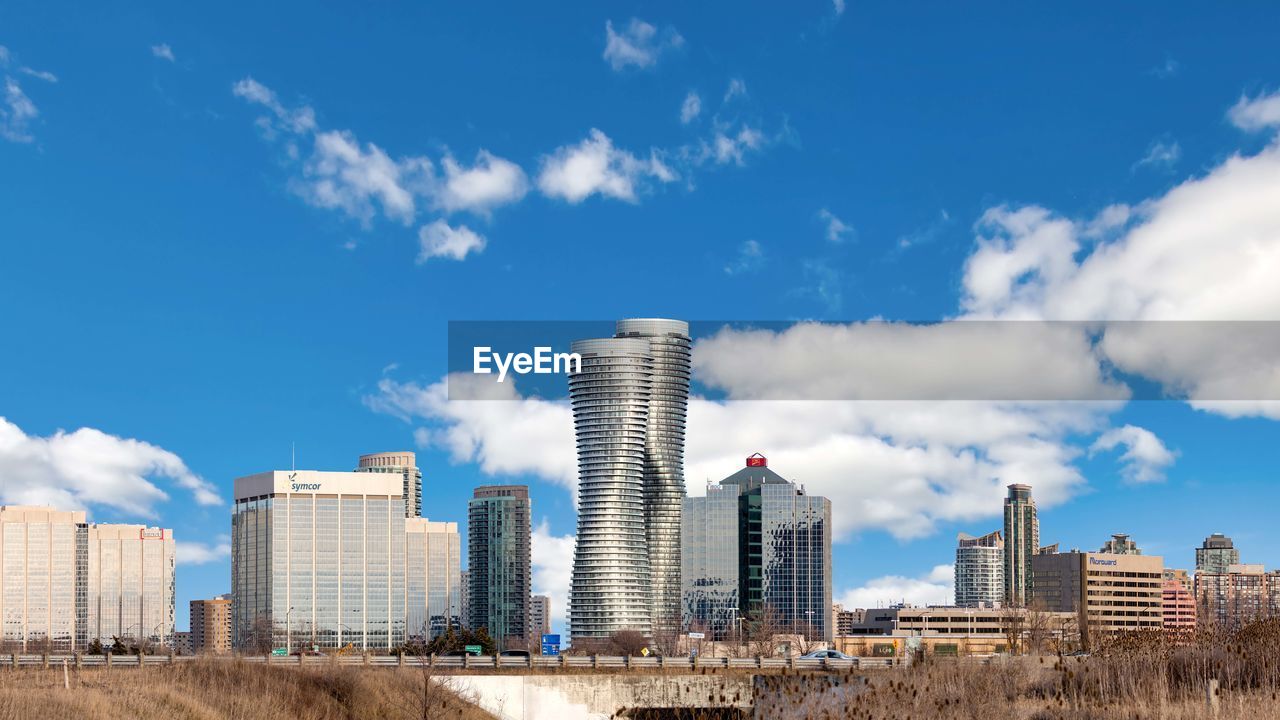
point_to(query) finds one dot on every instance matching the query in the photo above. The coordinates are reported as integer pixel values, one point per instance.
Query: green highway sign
(473, 649)
(279, 651)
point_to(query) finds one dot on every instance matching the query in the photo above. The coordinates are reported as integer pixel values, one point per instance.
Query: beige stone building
(211, 625)
(1110, 593)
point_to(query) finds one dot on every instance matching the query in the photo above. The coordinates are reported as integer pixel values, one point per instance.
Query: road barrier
(478, 663)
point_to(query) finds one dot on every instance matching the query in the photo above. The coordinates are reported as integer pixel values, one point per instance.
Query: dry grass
(236, 691)
(1139, 677)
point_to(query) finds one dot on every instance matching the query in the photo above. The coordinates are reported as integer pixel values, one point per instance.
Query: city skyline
(220, 247)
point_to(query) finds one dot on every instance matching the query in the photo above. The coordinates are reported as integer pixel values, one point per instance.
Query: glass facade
(759, 548)
(404, 464)
(130, 590)
(979, 570)
(498, 547)
(433, 592)
(324, 569)
(709, 562)
(1021, 542)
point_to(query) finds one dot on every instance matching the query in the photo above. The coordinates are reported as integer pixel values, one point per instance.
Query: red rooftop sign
(757, 460)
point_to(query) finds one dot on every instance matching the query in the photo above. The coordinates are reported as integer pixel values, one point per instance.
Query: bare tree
(627, 642)
(1013, 621)
(762, 631)
(427, 694)
(259, 640)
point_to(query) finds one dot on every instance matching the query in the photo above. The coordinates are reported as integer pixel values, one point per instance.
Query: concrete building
(890, 632)
(979, 574)
(1021, 543)
(464, 583)
(433, 595)
(1120, 544)
(1110, 593)
(498, 549)
(1182, 577)
(404, 464)
(846, 620)
(630, 397)
(1179, 607)
(129, 586)
(1216, 554)
(539, 617)
(182, 643)
(1241, 595)
(756, 546)
(211, 625)
(318, 559)
(43, 554)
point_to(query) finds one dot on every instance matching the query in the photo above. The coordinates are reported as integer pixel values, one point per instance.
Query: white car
(826, 655)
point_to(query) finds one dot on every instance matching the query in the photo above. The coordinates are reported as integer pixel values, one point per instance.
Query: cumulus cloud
(197, 553)
(595, 166)
(1205, 253)
(1145, 458)
(521, 435)
(837, 230)
(552, 567)
(637, 45)
(937, 587)
(490, 182)
(163, 51)
(1258, 113)
(439, 240)
(690, 108)
(750, 257)
(344, 175)
(88, 468)
(297, 120)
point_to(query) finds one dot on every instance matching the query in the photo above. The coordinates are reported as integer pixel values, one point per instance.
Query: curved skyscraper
(629, 400)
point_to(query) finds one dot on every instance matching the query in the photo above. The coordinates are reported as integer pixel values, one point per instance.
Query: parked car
(826, 655)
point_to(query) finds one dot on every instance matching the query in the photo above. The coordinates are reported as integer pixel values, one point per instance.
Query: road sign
(550, 644)
(644, 652)
(279, 651)
(697, 636)
(473, 649)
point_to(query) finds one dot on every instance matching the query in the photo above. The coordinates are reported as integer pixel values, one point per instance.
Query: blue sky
(227, 229)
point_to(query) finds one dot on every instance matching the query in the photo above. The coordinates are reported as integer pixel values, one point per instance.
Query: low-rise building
(1179, 608)
(211, 625)
(886, 632)
(1241, 595)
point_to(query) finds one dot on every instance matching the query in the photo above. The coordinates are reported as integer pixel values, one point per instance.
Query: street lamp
(288, 632)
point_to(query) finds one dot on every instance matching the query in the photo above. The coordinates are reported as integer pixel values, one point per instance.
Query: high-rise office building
(1120, 544)
(211, 625)
(464, 584)
(979, 570)
(1241, 595)
(1021, 542)
(1110, 593)
(1216, 554)
(498, 550)
(129, 586)
(763, 534)
(433, 596)
(318, 558)
(65, 583)
(539, 617)
(43, 553)
(404, 464)
(630, 398)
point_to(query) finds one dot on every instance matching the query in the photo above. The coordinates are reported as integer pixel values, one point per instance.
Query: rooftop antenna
(293, 456)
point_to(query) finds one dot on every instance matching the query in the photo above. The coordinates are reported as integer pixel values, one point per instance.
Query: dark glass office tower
(498, 545)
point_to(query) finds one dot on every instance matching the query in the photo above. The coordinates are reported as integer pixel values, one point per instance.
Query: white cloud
(737, 88)
(575, 172)
(750, 257)
(552, 567)
(88, 468)
(1257, 113)
(502, 432)
(639, 44)
(163, 51)
(44, 75)
(690, 108)
(1208, 250)
(1160, 154)
(298, 120)
(16, 113)
(837, 230)
(490, 182)
(343, 175)
(438, 240)
(196, 553)
(839, 6)
(936, 587)
(1145, 458)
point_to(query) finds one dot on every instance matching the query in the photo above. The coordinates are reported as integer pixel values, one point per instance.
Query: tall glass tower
(979, 570)
(629, 398)
(498, 547)
(1021, 541)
